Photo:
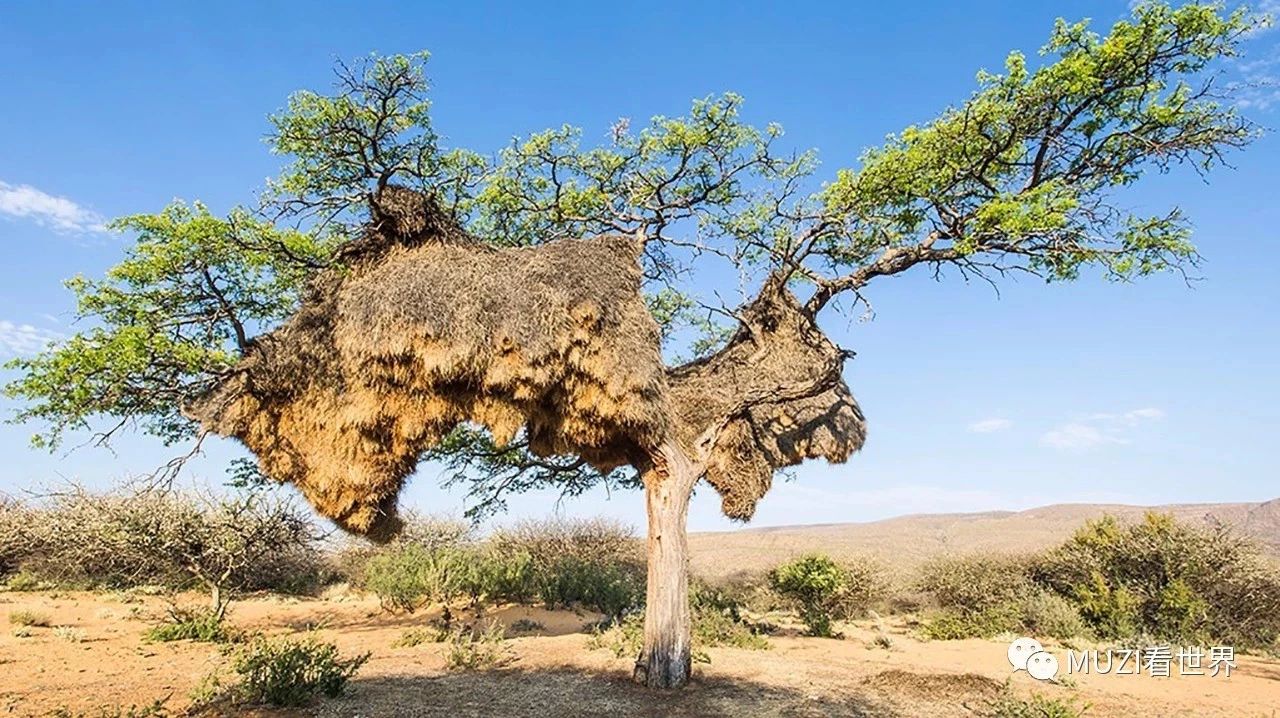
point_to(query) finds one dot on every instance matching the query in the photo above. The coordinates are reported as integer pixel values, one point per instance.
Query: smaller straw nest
(421, 329)
(779, 381)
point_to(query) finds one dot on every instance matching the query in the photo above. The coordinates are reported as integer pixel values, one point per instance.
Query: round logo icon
(1021, 649)
(1042, 665)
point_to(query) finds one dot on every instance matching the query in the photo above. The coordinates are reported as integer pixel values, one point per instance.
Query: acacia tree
(1022, 176)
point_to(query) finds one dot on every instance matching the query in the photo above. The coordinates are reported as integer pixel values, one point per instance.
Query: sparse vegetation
(476, 648)
(151, 710)
(1152, 579)
(284, 672)
(983, 595)
(560, 564)
(717, 621)
(70, 634)
(1009, 705)
(823, 590)
(29, 619)
(80, 539)
(1167, 580)
(200, 625)
(418, 636)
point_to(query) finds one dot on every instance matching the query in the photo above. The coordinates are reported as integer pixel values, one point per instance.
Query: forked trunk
(666, 661)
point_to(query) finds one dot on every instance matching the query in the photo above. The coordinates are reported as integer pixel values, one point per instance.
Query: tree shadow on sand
(574, 692)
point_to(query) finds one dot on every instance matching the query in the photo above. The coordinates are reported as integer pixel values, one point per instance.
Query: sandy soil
(553, 673)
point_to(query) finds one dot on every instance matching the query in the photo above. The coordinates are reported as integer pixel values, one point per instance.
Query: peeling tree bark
(666, 659)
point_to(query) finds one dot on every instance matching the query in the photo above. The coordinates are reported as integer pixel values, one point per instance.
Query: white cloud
(1138, 415)
(23, 339)
(987, 426)
(1099, 429)
(1078, 436)
(26, 202)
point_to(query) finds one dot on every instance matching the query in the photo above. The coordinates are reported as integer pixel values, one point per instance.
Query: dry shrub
(474, 648)
(549, 540)
(427, 532)
(591, 563)
(588, 564)
(15, 541)
(985, 595)
(129, 539)
(976, 583)
(29, 619)
(1168, 580)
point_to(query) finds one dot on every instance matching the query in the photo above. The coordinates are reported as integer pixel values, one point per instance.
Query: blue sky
(1143, 393)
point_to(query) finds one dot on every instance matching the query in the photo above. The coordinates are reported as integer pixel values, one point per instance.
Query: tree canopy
(1024, 175)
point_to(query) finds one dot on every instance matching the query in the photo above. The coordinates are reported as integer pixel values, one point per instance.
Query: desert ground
(93, 658)
(552, 671)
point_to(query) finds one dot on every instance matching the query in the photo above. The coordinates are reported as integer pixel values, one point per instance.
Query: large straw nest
(421, 329)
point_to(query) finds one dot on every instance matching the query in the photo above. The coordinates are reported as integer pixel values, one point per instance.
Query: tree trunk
(219, 607)
(665, 661)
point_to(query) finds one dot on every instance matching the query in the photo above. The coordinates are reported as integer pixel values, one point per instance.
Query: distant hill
(906, 541)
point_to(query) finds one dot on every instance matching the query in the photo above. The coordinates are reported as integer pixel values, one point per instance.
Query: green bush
(610, 588)
(950, 624)
(429, 533)
(823, 590)
(404, 577)
(26, 581)
(714, 628)
(285, 672)
(718, 619)
(1167, 580)
(491, 576)
(199, 625)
